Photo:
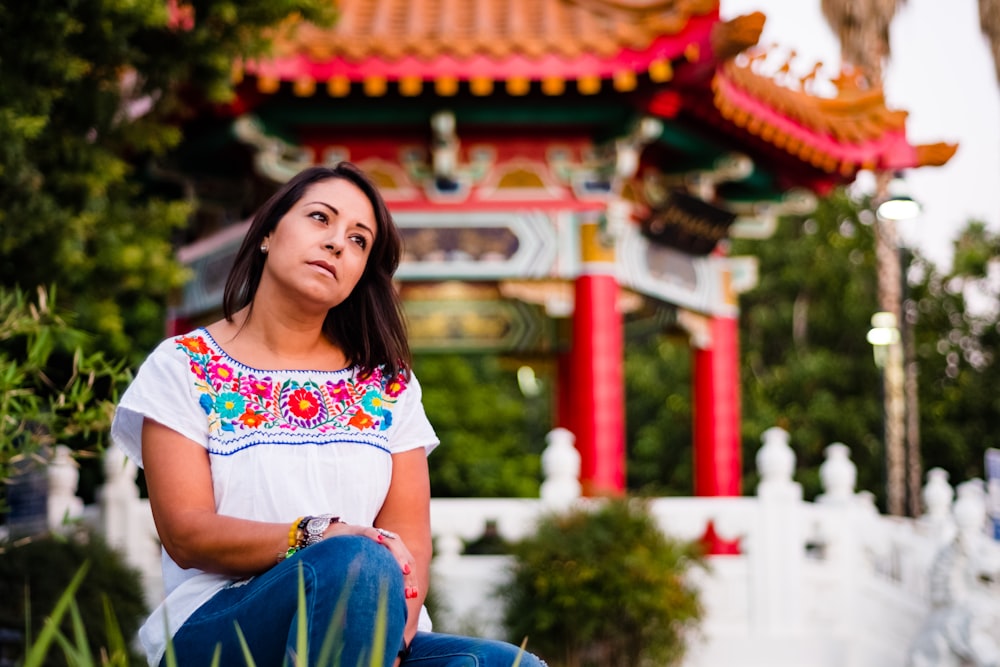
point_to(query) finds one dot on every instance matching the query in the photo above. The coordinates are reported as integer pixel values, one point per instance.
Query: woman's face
(318, 251)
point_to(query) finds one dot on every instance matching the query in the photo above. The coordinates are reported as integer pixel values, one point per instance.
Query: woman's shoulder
(192, 343)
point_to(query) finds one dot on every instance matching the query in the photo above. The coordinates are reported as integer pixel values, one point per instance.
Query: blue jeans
(348, 570)
(433, 649)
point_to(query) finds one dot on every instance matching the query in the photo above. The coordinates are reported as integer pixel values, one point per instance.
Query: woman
(287, 442)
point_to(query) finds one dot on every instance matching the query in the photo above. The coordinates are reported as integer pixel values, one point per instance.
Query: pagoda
(561, 170)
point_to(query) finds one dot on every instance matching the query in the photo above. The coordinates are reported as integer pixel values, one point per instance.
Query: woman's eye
(318, 215)
(360, 240)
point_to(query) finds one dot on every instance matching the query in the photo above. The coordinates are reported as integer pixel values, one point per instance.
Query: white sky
(941, 72)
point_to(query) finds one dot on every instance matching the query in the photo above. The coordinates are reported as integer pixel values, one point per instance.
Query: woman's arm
(406, 511)
(179, 480)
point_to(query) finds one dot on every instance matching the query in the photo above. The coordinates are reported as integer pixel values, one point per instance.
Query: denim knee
(358, 564)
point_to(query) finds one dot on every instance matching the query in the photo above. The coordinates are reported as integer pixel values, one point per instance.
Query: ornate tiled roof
(414, 46)
(850, 130)
(415, 41)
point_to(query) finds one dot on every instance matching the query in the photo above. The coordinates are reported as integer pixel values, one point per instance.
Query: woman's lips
(326, 267)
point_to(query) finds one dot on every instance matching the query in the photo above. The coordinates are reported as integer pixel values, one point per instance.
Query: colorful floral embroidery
(237, 399)
(196, 345)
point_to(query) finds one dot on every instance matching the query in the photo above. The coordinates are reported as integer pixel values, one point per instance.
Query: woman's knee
(358, 563)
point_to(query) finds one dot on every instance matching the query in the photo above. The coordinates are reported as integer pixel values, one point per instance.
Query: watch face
(317, 525)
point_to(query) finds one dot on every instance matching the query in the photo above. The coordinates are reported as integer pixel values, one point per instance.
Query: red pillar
(563, 399)
(717, 457)
(597, 376)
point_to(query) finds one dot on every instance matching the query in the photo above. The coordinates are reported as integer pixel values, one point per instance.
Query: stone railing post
(777, 546)
(843, 522)
(118, 497)
(63, 474)
(969, 510)
(561, 467)
(938, 495)
(838, 475)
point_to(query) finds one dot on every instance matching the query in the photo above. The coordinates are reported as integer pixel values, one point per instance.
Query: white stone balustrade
(830, 583)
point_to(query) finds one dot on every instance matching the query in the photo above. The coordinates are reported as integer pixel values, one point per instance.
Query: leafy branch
(51, 389)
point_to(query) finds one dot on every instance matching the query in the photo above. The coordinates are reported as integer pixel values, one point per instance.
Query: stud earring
(263, 248)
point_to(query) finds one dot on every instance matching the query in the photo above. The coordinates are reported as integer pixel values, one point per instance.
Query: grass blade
(217, 653)
(117, 649)
(247, 656)
(70, 652)
(302, 629)
(85, 657)
(517, 659)
(334, 632)
(169, 657)
(378, 641)
(36, 656)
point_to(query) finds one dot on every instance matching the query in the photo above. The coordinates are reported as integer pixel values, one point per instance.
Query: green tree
(957, 325)
(491, 435)
(658, 413)
(93, 94)
(806, 364)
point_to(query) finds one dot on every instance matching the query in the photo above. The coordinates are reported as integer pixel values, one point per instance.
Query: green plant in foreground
(603, 587)
(52, 389)
(35, 575)
(115, 653)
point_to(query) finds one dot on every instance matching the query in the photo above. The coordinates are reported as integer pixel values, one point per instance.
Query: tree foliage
(93, 92)
(491, 434)
(806, 364)
(52, 390)
(658, 428)
(957, 322)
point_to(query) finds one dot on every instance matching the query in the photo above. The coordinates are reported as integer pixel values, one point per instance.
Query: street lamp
(883, 333)
(892, 203)
(897, 204)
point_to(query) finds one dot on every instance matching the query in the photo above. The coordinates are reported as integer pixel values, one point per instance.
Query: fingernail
(406, 568)
(380, 538)
(411, 592)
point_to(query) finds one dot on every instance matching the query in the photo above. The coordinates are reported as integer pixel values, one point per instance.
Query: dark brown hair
(368, 325)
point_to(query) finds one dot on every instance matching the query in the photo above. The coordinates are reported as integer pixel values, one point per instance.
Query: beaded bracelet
(299, 536)
(293, 532)
(296, 537)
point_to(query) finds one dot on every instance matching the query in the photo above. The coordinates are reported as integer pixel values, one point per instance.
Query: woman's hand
(393, 542)
(406, 512)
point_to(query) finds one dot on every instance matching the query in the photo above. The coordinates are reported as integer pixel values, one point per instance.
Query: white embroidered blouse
(281, 444)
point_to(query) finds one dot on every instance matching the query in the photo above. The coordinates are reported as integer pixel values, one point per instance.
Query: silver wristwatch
(317, 525)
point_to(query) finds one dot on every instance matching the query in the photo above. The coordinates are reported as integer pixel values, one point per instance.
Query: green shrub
(603, 587)
(34, 576)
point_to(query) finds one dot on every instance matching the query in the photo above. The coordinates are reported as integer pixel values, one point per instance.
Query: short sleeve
(162, 391)
(410, 427)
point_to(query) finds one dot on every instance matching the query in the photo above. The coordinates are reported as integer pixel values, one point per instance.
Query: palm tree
(862, 27)
(989, 22)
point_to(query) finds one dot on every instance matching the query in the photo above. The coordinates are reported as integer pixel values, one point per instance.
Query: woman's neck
(268, 340)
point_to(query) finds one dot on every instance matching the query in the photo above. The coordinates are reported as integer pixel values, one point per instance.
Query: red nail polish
(406, 568)
(380, 538)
